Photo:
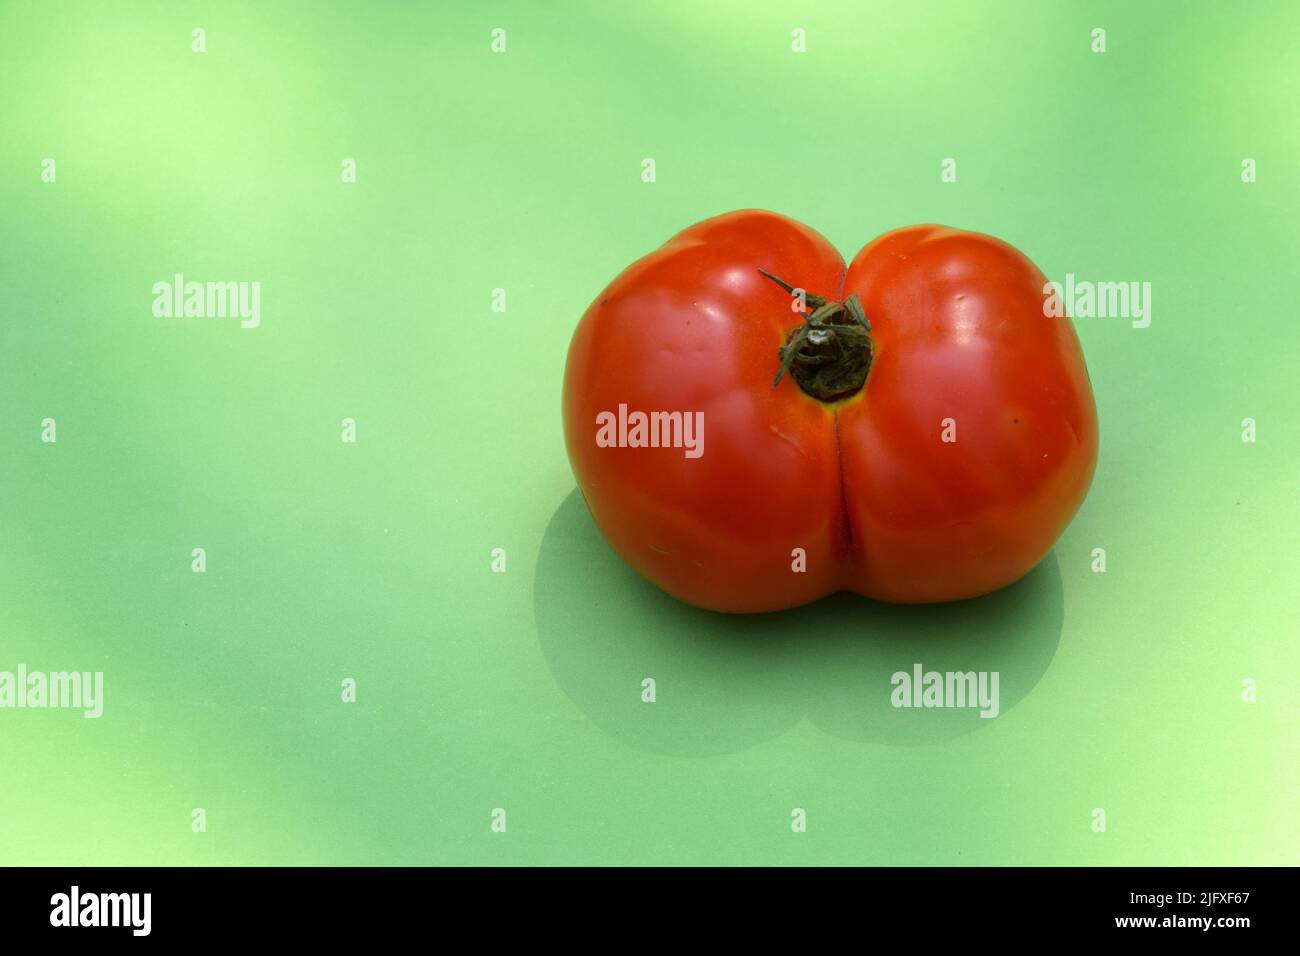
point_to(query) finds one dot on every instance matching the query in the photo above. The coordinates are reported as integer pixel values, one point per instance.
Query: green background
(521, 690)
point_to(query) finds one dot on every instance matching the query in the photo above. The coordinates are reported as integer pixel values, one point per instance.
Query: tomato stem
(830, 354)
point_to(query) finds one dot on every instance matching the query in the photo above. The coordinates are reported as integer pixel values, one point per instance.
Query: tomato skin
(865, 486)
(959, 332)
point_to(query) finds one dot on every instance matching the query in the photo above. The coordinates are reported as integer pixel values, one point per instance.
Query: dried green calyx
(829, 355)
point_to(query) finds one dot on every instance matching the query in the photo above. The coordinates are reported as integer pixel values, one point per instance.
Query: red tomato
(949, 472)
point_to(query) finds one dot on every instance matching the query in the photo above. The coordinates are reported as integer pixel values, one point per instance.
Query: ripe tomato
(948, 472)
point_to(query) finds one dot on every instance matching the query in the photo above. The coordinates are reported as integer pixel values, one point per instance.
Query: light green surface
(521, 690)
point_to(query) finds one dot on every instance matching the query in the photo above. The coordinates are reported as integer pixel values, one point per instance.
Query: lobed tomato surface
(948, 473)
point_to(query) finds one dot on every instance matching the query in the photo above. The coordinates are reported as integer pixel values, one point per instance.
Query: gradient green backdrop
(522, 171)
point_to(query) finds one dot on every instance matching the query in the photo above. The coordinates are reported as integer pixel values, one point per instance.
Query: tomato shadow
(724, 682)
